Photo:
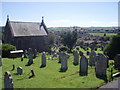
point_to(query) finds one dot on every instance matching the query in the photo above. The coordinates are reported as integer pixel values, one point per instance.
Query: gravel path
(115, 85)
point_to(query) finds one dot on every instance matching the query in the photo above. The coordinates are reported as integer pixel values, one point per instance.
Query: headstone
(54, 55)
(33, 74)
(102, 48)
(64, 59)
(30, 56)
(8, 81)
(25, 54)
(35, 53)
(59, 57)
(80, 53)
(92, 46)
(95, 49)
(83, 66)
(105, 53)
(19, 70)
(88, 52)
(92, 58)
(0, 61)
(87, 48)
(43, 60)
(76, 57)
(22, 57)
(101, 66)
(13, 67)
(107, 61)
(117, 62)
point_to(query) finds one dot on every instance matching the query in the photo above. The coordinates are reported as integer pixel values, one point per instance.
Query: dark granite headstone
(76, 57)
(83, 66)
(8, 81)
(117, 62)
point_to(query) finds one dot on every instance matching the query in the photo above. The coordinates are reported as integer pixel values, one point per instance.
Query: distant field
(101, 34)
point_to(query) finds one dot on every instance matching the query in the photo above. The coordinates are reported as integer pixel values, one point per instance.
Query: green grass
(50, 77)
(101, 34)
(0, 77)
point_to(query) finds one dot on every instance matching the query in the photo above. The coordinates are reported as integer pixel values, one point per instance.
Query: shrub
(6, 48)
(113, 47)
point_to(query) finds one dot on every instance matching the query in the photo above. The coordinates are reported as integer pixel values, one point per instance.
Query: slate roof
(28, 29)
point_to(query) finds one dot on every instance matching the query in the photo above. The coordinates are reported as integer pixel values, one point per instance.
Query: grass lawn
(0, 77)
(101, 34)
(49, 76)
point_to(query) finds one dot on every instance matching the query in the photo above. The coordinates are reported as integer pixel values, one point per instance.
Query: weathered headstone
(0, 61)
(88, 52)
(8, 81)
(92, 58)
(95, 49)
(59, 57)
(35, 53)
(117, 62)
(80, 53)
(87, 48)
(83, 66)
(19, 70)
(32, 73)
(107, 61)
(101, 66)
(105, 53)
(43, 60)
(13, 67)
(30, 56)
(25, 54)
(22, 57)
(102, 48)
(92, 46)
(76, 57)
(64, 59)
(54, 55)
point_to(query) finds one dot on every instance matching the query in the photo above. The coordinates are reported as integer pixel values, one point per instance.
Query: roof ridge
(24, 22)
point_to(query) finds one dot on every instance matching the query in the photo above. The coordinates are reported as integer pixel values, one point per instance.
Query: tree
(69, 38)
(113, 47)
